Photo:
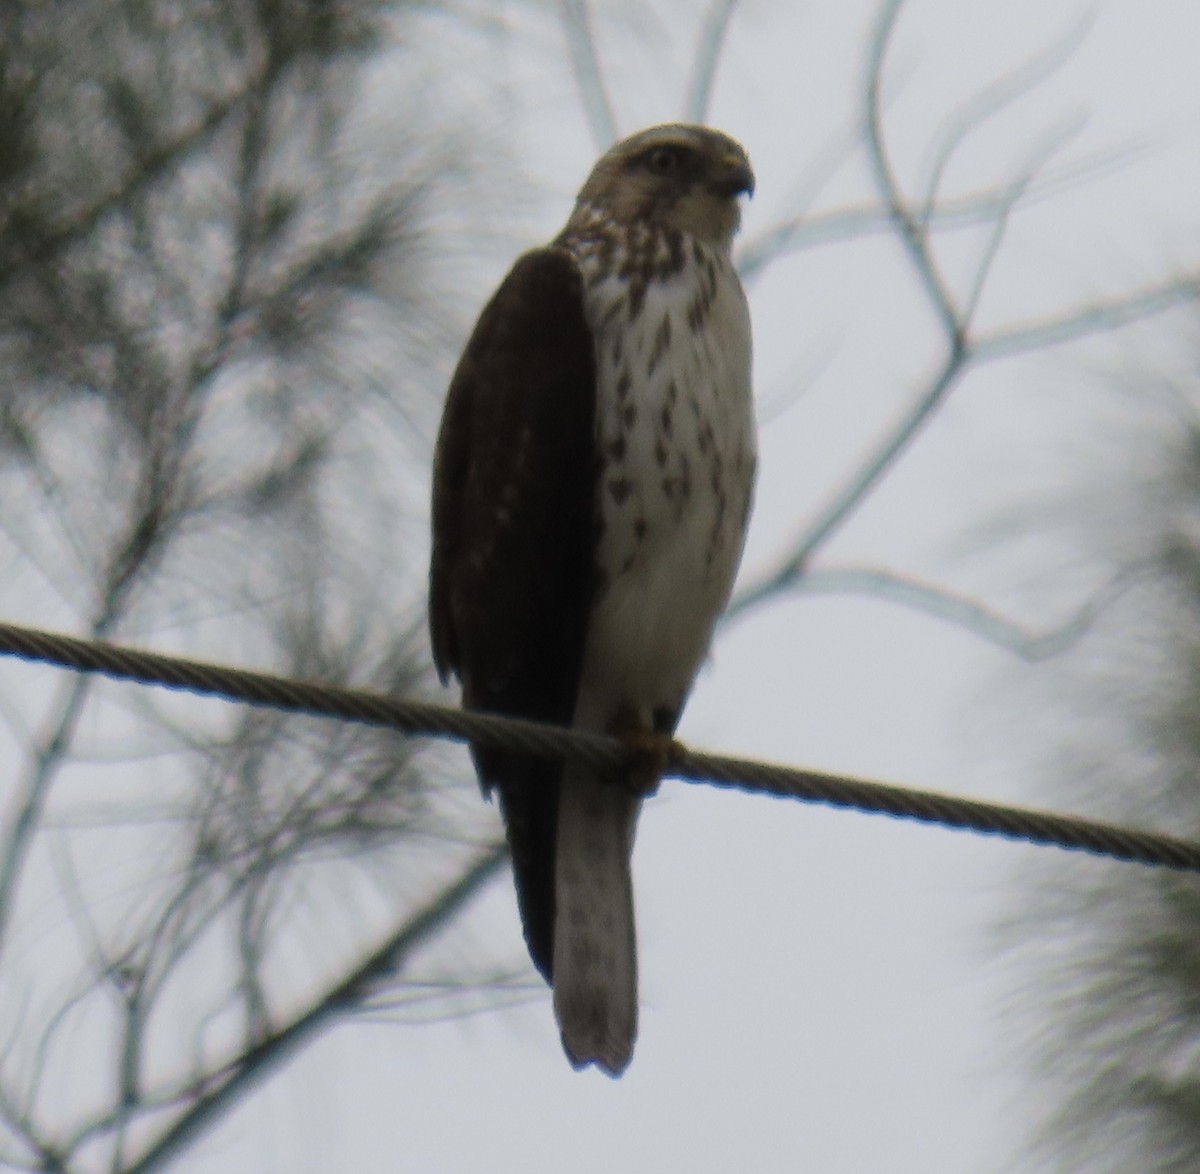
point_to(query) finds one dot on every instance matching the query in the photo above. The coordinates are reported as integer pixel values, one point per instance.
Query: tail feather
(595, 951)
(529, 800)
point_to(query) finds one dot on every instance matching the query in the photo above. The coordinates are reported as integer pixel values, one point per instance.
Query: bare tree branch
(576, 21)
(982, 207)
(55, 745)
(33, 789)
(913, 226)
(971, 615)
(1097, 317)
(853, 492)
(346, 996)
(706, 59)
(913, 234)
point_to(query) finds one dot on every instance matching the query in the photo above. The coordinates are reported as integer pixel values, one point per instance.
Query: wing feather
(514, 539)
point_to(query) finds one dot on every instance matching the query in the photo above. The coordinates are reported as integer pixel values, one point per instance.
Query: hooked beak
(735, 179)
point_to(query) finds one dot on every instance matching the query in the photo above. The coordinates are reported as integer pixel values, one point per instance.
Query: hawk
(591, 489)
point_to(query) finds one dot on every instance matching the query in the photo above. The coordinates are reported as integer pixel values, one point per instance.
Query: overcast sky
(818, 992)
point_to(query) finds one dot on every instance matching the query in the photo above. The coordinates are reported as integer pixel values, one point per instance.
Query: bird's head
(686, 177)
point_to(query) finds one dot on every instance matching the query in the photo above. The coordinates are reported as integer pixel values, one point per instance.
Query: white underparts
(674, 427)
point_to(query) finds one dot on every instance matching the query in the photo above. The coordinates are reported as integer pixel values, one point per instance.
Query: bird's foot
(648, 755)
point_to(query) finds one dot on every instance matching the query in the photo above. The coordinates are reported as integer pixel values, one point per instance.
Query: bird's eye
(665, 160)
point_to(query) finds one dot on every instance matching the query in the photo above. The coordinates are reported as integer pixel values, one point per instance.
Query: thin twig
(912, 232)
(856, 221)
(963, 611)
(899, 435)
(34, 789)
(997, 96)
(139, 546)
(1013, 194)
(963, 351)
(257, 1062)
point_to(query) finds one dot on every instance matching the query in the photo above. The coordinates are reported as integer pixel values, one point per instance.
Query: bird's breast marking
(665, 466)
(662, 340)
(620, 489)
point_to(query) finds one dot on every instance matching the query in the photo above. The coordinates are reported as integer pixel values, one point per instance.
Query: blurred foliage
(1109, 957)
(220, 344)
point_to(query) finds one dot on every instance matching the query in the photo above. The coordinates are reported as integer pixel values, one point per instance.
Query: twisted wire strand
(547, 741)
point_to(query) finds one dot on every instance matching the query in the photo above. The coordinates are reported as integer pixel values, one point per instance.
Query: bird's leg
(649, 751)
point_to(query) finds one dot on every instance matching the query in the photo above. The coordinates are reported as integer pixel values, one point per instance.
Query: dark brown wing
(514, 537)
